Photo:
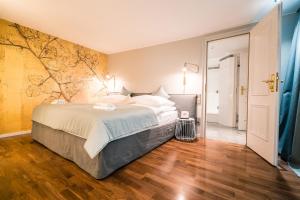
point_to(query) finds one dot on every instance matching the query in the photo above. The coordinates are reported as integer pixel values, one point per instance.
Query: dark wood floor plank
(204, 169)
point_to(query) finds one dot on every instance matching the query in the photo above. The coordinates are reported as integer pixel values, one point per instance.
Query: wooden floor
(175, 170)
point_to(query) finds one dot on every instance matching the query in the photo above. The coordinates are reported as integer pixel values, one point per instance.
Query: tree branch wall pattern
(47, 68)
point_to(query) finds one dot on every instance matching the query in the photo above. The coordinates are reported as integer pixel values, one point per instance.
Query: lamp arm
(195, 68)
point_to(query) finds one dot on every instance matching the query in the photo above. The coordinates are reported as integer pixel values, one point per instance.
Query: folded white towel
(105, 106)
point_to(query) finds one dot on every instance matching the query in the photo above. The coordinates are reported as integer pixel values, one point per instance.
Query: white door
(262, 128)
(227, 92)
(243, 91)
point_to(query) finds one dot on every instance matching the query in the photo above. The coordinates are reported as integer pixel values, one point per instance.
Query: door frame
(243, 30)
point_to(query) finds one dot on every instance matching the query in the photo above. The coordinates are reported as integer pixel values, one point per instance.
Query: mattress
(97, 126)
(167, 117)
(115, 155)
(119, 152)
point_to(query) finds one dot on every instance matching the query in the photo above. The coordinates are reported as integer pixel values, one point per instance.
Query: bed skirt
(115, 155)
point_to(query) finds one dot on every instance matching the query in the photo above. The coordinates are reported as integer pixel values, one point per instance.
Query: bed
(118, 152)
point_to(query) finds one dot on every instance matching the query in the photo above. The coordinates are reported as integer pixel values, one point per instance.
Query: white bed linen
(167, 117)
(97, 126)
(158, 109)
(83, 121)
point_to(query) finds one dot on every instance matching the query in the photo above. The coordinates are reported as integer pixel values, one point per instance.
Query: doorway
(227, 85)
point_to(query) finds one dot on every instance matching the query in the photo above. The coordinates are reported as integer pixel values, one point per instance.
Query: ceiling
(221, 48)
(112, 26)
(218, 48)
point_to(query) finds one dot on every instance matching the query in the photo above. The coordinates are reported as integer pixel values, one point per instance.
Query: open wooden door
(227, 92)
(264, 61)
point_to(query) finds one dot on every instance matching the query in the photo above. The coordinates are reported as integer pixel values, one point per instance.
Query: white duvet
(98, 126)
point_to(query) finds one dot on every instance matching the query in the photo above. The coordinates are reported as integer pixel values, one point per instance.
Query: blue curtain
(289, 119)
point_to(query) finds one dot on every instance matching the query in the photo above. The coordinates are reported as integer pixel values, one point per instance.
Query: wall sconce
(188, 67)
(111, 77)
(191, 67)
(113, 85)
(108, 79)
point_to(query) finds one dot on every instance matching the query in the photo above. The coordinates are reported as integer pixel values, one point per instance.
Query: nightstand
(185, 129)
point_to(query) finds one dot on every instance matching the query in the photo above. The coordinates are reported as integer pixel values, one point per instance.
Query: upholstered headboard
(186, 102)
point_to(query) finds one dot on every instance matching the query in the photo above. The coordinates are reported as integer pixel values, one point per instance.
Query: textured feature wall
(38, 68)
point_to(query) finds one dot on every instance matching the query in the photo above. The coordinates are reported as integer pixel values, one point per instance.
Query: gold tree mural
(61, 62)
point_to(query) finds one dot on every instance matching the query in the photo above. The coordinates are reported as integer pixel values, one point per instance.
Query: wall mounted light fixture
(112, 78)
(188, 67)
(191, 67)
(114, 85)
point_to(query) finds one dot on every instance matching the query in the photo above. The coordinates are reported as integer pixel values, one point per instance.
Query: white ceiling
(112, 26)
(221, 48)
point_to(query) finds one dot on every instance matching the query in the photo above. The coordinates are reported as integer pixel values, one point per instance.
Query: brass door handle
(268, 81)
(243, 89)
(272, 83)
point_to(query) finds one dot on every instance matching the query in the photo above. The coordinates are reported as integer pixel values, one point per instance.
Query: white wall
(212, 109)
(144, 70)
(213, 77)
(227, 92)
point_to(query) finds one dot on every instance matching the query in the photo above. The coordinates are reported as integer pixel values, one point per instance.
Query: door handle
(273, 82)
(268, 81)
(243, 89)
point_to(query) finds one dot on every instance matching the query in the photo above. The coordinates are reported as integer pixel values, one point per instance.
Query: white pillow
(168, 108)
(160, 109)
(152, 100)
(125, 91)
(161, 92)
(116, 99)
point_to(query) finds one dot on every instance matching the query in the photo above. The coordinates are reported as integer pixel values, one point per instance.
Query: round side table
(185, 129)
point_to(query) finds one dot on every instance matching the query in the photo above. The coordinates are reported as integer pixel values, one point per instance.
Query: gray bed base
(117, 153)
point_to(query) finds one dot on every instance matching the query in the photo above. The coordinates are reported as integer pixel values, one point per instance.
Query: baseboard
(6, 135)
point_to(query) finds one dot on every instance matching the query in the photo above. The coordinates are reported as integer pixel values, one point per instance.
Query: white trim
(6, 135)
(211, 37)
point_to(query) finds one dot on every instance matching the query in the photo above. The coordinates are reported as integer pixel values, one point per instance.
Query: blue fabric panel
(289, 100)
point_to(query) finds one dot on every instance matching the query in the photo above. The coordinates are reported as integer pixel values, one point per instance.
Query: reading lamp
(191, 67)
(113, 78)
(188, 67)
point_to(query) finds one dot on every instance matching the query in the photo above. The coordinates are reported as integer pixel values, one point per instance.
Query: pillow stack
(151, 100)
(161, 92)
(159, 100)
(157, 103)
(125, 92)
